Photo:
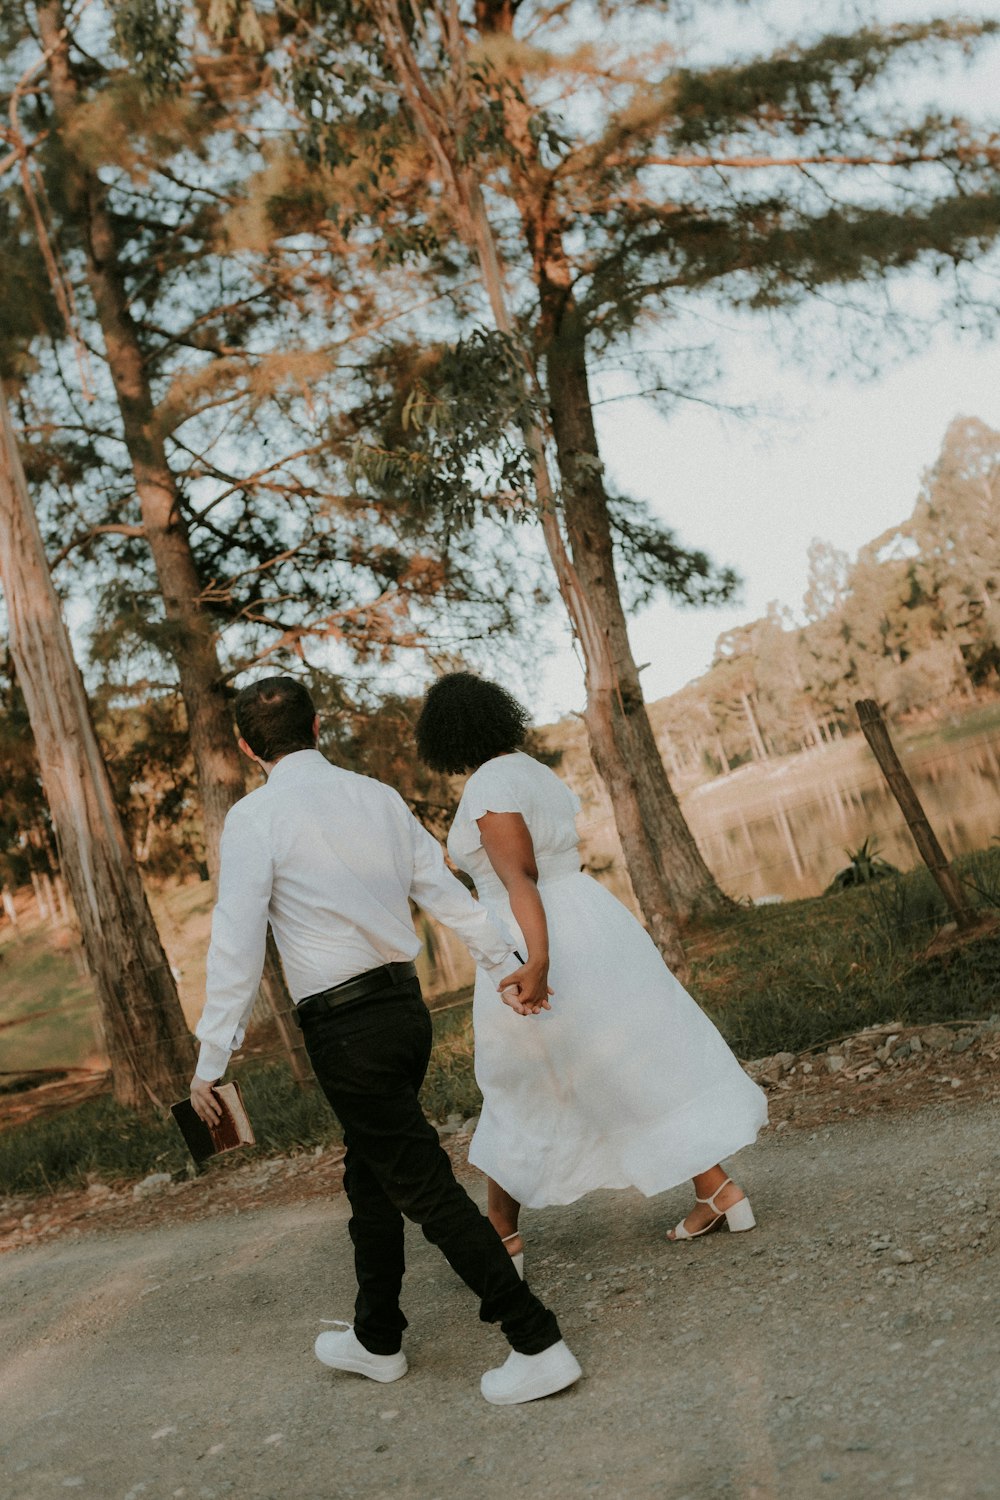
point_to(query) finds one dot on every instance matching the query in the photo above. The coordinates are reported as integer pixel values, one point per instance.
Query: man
(332, 859)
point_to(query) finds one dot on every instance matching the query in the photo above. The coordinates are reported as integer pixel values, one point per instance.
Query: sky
(836, 458)
(829, 451)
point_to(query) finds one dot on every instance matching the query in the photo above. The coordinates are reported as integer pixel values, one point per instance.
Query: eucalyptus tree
(602, 185)
(144, 1028)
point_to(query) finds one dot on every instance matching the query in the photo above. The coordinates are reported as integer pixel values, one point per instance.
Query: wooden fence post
(875, 732)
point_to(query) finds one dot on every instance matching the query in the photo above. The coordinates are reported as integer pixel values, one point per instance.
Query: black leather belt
(359, 988)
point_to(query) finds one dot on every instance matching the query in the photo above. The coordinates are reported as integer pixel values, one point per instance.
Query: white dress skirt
(625, 1082)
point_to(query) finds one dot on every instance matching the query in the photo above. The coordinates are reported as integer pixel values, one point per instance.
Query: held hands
(204, 1102)
(526, 990)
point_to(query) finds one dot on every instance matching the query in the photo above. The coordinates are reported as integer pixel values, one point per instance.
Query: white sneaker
(344, 1351)
(528, 1377)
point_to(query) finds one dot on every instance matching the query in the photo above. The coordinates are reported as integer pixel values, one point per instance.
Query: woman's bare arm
(511, 852)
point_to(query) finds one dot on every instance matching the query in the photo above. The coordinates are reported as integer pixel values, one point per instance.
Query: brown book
(232, 1130)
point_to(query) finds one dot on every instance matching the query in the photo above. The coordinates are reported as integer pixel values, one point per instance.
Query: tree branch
(117, 528)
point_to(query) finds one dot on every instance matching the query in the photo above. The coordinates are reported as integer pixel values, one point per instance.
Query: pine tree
(758, 182)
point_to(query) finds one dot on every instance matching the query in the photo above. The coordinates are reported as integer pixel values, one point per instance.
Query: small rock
(154, 1183)
(834, 1062)
(902, 1050)
(98, 1190)
(902, 1257)
(916, 1045)
(963, 1043)
(936, 1038)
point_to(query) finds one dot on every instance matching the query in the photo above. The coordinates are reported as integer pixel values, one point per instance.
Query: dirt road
(849, 1348)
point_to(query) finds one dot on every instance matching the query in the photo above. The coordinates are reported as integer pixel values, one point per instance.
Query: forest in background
(913, 621)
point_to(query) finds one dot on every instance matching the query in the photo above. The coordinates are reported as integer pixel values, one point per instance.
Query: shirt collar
(296, 759)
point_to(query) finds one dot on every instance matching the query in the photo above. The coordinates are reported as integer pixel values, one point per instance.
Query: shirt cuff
(212, 1062)
(496, 972)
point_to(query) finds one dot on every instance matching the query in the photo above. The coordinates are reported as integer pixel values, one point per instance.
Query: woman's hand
(509, 848)
(527, 990)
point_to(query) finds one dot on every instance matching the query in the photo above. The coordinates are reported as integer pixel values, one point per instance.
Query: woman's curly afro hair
(465, 721)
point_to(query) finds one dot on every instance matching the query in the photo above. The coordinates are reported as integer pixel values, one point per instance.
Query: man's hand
(526, 990)
(206, 1106)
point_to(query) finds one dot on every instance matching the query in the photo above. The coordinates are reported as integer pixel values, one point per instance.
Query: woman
(621, 1080)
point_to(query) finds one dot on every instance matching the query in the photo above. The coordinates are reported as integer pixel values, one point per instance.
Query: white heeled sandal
(738, 1216)
(518, 1259)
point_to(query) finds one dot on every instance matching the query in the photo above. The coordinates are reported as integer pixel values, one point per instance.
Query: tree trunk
(670, 878)
(44, 914)
(621, 736)
(621, 742)
(756, 738)
(9, 907)
(218, 764)
(614, 734)
(148, 1042)
(192, 637)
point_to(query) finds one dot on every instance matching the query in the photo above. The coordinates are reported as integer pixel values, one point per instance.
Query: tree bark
(218, 764)
(148, 1042)
(192, 635)
(610, 729)
(621, 737)
(670, 879)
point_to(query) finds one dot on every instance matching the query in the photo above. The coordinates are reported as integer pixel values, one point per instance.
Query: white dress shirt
(332, 860)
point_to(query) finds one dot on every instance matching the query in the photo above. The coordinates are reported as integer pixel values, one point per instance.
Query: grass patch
(50, 1016)
(785, 978)
(774, 978)
(450, 1086)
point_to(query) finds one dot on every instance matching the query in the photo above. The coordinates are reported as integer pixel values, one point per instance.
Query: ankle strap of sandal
(506, 1237)
(711, 1201)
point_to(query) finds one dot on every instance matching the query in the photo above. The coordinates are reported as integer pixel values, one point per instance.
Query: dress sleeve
(485, 791)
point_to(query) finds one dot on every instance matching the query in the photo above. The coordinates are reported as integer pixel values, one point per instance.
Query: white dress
(625, 1081)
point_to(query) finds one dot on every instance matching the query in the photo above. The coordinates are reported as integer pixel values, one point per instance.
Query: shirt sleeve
(236, 952)
(486, 791)
(437, 890)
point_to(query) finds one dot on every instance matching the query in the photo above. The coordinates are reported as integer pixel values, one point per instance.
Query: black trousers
(370, 1058)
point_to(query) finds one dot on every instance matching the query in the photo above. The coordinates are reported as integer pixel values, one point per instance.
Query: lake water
(783, 830)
